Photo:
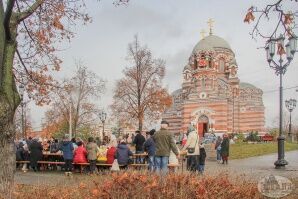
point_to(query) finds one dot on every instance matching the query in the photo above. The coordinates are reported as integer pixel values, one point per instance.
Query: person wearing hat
(139, 141)
(149, 147)
(164, 143)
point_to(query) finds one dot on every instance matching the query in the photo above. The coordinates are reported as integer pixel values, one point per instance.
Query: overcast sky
(171, 28)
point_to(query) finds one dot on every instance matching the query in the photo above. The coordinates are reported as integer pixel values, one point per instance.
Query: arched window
(221, 65)
(195, 62)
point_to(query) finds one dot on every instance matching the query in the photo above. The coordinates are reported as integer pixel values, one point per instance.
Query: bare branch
(23, 15)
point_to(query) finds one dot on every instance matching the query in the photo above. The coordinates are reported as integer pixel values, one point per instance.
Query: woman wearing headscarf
(193, 149)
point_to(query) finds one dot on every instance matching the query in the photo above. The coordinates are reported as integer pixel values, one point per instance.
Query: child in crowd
(202, 158)
(102, 154)
(173, 160)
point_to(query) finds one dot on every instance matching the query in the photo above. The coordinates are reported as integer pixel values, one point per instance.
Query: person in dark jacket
(67, 148)
(202, 158)
(139, 143)
(20, 152)
(225, 146)
(35, 149)
(218, 149)
(54, 146)
(29, 141)
(122, 154)
(149, 147)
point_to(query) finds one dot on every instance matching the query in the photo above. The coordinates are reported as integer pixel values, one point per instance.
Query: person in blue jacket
(67, 148)
(149, 147)
(122, 154)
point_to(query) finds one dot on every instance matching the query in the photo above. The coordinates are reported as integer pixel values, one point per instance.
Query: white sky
(171, 28)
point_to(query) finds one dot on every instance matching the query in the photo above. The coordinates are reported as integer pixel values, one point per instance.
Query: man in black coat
(139, 142)
(35, 149)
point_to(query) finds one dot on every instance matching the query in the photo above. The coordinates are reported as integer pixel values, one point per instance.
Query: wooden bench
(83, 165)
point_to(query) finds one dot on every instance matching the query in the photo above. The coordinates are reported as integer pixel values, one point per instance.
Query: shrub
(253, 137)
(137, 185)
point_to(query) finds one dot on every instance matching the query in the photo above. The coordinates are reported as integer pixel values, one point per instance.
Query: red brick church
(212, 95)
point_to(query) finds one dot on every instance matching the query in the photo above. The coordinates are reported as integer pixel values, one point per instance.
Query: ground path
(257, 167)
(253, 168)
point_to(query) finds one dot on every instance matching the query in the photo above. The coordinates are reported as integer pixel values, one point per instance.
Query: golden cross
(210, 24)
(202, 33)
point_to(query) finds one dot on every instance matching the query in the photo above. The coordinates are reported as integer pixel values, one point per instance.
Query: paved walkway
(257, 167)
(253, 168)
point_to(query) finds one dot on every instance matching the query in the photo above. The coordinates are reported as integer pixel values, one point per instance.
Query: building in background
(212, 96)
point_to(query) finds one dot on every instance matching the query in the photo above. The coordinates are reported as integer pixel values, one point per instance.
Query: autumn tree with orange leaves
(139, 95)
(30, 34)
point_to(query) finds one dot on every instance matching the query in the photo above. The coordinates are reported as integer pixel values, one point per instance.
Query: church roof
(210, 42)
(246, 85)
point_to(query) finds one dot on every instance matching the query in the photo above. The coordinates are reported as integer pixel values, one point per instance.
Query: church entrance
(203, 125)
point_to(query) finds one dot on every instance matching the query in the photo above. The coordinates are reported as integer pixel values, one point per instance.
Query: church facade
(212, 96)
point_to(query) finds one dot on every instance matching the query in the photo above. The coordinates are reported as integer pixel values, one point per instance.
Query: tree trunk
(9, 101)
(140, 118)
(7, 150)
(140, 124)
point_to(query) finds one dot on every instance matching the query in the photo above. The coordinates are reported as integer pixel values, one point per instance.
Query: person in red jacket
(80, 154)
(111, 155)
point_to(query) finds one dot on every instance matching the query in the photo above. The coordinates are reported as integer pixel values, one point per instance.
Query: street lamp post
(22, 90)
(280, 69)
(103, 117)
(290, 105)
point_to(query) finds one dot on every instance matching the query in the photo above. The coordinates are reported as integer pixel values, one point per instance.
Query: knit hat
(152, 131)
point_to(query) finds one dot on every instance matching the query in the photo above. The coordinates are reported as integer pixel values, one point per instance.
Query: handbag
(192, 149)
(115, 166)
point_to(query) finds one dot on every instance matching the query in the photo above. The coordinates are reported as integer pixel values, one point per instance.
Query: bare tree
(77, 94)
(139, 95)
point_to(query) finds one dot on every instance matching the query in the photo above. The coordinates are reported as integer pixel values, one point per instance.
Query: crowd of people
(160, 148)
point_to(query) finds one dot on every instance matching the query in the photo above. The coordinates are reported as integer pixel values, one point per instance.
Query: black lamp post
(290, 105)
(280, 69)
(103, 117)
(21, 91)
